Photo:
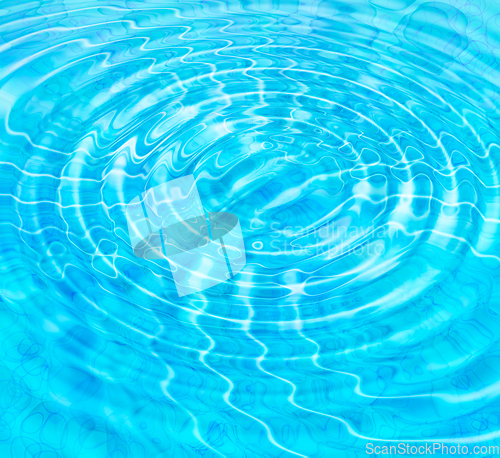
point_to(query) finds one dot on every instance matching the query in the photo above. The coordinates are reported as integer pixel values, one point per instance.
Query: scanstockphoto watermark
(435, 448)
(332, 239)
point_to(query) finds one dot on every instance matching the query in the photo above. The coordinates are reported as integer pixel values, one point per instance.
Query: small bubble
(257, 245)
(56, 249)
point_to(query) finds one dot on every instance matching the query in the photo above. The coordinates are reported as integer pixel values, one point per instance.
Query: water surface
(358, 145)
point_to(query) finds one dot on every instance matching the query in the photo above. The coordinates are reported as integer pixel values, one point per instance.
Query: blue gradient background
(357, 142)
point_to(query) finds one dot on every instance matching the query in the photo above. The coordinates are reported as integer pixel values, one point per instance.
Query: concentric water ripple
(358, 144)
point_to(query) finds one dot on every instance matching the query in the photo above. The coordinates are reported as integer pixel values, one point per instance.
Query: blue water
(358, 144)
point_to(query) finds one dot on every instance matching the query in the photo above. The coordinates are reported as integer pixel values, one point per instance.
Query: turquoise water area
(357, 142)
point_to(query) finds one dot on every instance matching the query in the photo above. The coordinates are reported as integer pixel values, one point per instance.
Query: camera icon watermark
(169, 222)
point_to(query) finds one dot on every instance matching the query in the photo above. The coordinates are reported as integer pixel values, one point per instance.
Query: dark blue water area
(357, 142)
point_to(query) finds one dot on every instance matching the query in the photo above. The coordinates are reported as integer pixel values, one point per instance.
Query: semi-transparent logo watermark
(169, 222)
